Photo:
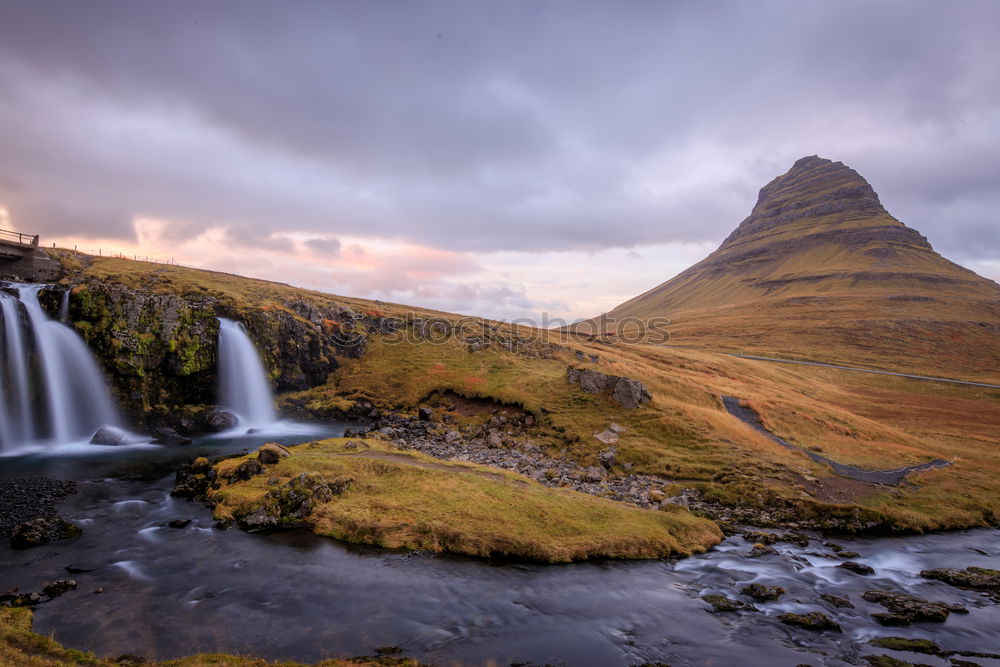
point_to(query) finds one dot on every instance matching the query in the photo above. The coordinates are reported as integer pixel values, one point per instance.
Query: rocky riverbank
(26, 498)
(509, 442)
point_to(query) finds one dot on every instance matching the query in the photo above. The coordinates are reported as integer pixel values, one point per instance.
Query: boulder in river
(762, 593)
(904, 609)
(220, 420)
(720, 603)
(857, 568)
(192, 481)
(972, 578)
(112, 436)
(168, 436)
(814, 620)
(838, 602)
(58, 587)
(42, 531)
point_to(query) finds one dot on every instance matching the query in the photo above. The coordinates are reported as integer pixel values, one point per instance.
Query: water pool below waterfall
(169, 592)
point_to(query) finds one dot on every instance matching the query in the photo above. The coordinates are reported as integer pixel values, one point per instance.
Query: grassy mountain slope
(821, 270)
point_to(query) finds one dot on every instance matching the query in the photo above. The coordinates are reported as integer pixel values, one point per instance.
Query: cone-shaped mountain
(820, 269)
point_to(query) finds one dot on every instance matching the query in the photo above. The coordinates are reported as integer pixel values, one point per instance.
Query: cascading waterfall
(64, 307)
(15, 404)
(243, 385)
(55, 365)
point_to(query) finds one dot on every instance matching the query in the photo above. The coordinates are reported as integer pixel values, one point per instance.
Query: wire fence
(102, 252)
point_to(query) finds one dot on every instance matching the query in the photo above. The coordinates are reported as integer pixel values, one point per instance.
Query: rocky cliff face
(160, 349)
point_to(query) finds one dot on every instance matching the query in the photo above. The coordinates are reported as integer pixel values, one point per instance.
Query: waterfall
(15, 405)
(64, 307)
(58, 366)
(243, 385)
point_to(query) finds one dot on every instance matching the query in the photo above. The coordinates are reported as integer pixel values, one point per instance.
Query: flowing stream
(167, 592)
(243, 385)
(47, 360)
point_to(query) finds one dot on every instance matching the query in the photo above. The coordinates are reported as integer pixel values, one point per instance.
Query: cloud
(321, 246)
(477, 129)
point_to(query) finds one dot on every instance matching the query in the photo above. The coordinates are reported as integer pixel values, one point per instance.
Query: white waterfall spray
(15, 409)
(243, 385)
(76, 400)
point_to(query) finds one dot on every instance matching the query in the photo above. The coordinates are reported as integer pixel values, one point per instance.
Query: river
(168, 592)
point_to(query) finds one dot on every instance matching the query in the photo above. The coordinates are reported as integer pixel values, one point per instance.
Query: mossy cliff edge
(155, 331)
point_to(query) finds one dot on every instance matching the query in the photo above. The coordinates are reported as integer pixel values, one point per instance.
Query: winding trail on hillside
(866, 370)
(886, 477)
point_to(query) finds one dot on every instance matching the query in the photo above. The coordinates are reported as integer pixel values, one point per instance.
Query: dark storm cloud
(482, 126)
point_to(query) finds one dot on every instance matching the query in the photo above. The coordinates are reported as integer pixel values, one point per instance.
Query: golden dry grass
(412, 501)
(684, 434)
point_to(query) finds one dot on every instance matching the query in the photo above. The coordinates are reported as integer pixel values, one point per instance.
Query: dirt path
(867, 370)
(887, 477)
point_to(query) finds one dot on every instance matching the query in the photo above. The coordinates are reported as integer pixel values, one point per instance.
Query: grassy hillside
(683, 435)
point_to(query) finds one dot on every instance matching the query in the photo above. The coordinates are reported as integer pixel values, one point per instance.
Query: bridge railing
(18, 237)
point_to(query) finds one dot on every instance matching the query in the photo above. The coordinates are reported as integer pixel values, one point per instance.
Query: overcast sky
(496, 158)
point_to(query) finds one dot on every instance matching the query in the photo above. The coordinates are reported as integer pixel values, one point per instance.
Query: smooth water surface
(291, 595)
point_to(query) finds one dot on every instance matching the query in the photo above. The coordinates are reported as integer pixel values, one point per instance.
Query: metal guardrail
(19, 238)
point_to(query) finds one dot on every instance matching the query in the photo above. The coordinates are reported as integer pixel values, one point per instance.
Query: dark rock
(271, 453)
(625, 391)
(291, 503)
(848, 554)
(220, 420)
(425, 414)
(798, 539)
(595, 382)
(630, 393)
(247, 469)
(857, 568)
(889, 619)
(42, 531)
(972, 578)
(607, 457)
(26, 600)
(925, 646)
(179, 523)
(168, 436)
(887, 661)
(259, 519)
(79, 568)
(814, 620)
(720, 603)
(905, 609)
(840, 603)
(192, 481)
(762, 550)
(111, 436)
(760, 537)
(56, 588)
(762, 593)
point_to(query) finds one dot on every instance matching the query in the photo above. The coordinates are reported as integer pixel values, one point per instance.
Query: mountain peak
(830, 193)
